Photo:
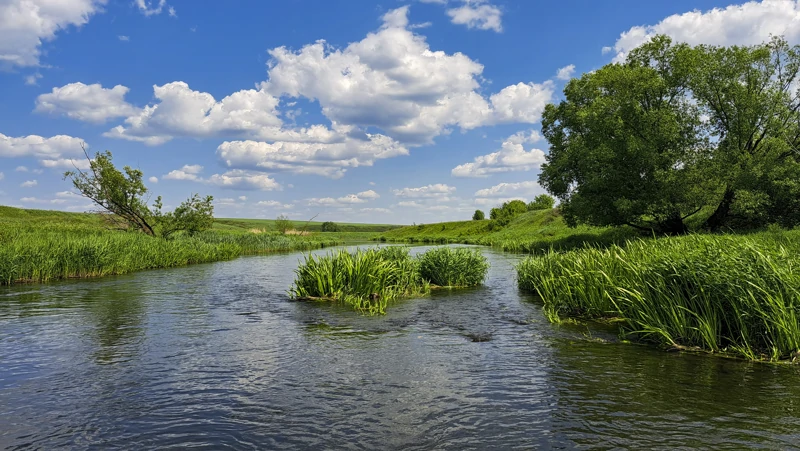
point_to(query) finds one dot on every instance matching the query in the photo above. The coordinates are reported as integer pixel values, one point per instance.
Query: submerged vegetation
(368, 280)
(736, 295)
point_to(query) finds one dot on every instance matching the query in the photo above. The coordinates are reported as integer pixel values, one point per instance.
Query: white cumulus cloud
(743, 24)
(566, 72)
(437, 190)
(39, 147)
(512, 156)
(477, 14)
(349, 199)
(25, 24)
(502, 192)
(89, 103)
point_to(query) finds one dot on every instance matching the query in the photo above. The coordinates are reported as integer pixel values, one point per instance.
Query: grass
(531, 232)
(41, 246)
(729, 294)
(368, 280)
(449, 267)
(365, 280)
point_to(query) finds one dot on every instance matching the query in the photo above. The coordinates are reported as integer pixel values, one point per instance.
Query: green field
(43, 245)
(530, 232)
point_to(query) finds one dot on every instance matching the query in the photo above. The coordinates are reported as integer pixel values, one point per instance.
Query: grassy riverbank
(530, 232)
(41, 245)
(737, 295)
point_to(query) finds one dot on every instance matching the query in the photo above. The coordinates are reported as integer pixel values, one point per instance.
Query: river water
(215, 356)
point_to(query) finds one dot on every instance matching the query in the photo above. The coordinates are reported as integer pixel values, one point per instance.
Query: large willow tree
(679, 132)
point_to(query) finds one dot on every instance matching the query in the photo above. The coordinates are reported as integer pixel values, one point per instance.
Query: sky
(386, 111)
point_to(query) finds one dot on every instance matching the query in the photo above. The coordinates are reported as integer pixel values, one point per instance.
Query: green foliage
(531, 232)
(504, 214)
(329, 226)
(678, 131)
(40, 246)
(192, 216)
(453, 267)
(120, 194)
(478, 216)
(365, 280)
(731, 294)
(541, 202)
(282, 224)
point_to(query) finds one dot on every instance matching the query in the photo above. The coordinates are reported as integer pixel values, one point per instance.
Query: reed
(40, 246)
(737, 295)
(366, 280)
(453, 267)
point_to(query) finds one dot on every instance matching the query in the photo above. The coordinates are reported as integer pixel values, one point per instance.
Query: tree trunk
(717, 219)
(673, 225)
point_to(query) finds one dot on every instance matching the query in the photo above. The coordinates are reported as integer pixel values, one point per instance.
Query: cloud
(745, 24)
(330, 159)
(21, 169)
(235, 179)
(2, 176)
(565, 73)
(25, 24)
(183, 112)
(89, 103)
(511, 157)
(477, 14)
(438, 190)
(392, 80)
(38, 146)
(375, 210)
(66, 163)
(153, 179)
(123, 38)
(153, 7)
(507, 191)
(273, 204)
(349, 199)
(29, 184)
(33, 79)
(187, 172)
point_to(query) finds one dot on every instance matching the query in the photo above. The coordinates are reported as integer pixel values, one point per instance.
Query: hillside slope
(530, 232)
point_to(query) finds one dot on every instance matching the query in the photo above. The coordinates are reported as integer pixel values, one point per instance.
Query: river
(216, 356)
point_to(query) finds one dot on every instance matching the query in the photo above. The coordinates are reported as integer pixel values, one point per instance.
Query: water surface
(215, 356)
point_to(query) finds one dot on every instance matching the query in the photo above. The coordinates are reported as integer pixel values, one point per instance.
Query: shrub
(282, 224)
(329, 226)
(478, 216)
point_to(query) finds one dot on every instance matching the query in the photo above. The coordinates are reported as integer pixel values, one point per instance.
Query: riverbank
(42, 245)
(735, 295)
(530, 232)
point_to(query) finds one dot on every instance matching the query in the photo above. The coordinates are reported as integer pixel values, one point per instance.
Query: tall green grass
(368, 280)
(448, 267)
(41, 246)
(737, 295)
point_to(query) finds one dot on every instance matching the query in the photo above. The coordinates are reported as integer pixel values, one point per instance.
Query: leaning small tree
(121, 196)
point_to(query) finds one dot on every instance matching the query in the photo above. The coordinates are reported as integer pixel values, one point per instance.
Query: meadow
(42, 245)
(530, 232)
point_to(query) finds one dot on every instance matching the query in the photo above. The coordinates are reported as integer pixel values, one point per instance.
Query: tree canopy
(478, 216)
(677, 132)
(541, 202)
(121, 196)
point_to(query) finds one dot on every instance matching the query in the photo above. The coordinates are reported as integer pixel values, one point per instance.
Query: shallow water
(215, 356)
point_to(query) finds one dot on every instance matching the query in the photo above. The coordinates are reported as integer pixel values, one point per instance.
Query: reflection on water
(216, 356)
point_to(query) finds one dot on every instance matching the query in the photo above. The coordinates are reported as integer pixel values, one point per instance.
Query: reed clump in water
(368, 280)
(453, 267)
(738, 295)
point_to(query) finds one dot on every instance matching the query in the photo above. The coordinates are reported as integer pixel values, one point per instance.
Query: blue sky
(361, 111)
